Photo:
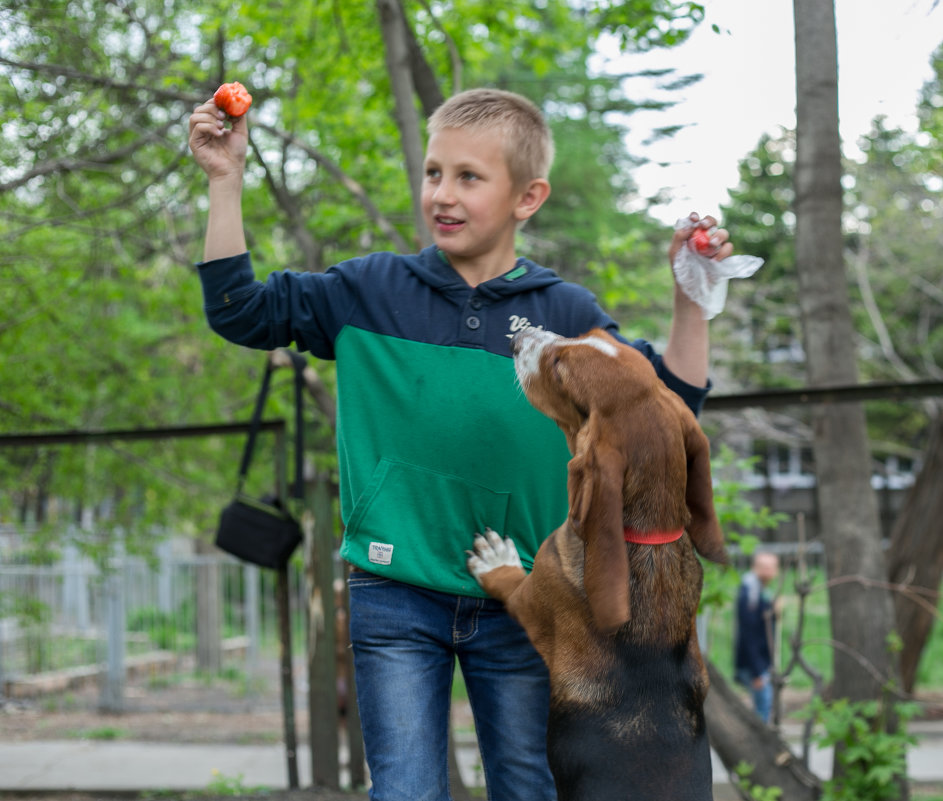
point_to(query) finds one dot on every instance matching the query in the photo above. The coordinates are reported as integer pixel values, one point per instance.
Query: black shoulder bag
(263, 531)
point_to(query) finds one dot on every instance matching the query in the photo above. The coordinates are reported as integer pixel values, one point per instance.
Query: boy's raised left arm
(686, 353)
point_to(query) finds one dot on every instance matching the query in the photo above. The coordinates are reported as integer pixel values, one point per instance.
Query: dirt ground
(180, 708)
(183, 710)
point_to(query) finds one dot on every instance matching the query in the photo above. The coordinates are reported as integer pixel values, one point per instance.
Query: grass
(99, 733)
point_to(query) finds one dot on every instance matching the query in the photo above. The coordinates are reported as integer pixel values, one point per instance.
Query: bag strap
(299, 362)
(254, 424)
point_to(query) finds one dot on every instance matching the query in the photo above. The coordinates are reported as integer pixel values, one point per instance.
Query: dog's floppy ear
(704, 528)
(595, 481)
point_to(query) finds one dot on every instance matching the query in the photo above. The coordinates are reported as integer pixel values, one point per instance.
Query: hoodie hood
(432, 267)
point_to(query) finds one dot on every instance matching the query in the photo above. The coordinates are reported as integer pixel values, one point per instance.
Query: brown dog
(611, 602)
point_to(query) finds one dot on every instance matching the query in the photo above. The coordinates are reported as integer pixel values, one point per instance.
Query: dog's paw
(491, 551)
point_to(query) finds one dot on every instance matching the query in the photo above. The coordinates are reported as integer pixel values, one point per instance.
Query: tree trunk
(916, 558)
(424, 78)
(738, 736)
(861, 607)
(398, 65)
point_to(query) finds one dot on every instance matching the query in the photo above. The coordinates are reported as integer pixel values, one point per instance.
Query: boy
(435, 440)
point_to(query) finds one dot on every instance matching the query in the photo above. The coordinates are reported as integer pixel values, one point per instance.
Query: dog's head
(640, 459)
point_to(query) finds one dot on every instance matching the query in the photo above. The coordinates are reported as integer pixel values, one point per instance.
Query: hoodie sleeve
(305, 308)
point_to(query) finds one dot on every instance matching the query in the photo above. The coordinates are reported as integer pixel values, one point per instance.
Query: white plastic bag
(705, 280)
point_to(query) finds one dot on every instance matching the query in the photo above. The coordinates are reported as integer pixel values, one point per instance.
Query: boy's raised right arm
(221, 153)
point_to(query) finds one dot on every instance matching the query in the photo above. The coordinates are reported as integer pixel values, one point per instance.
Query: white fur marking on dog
(527, 360)
(534, 340)
(600, 344)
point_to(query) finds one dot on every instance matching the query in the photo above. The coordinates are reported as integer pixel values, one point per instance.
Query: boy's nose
(443, 193)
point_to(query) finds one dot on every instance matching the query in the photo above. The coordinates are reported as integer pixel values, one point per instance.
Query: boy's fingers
(240, 125)
(206, 114)
(723, 251)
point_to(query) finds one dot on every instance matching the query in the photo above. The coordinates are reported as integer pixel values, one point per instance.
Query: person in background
(756, 626)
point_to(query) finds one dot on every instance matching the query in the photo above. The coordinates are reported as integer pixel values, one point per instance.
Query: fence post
(322, 673)
(165, 580)
(282, 597)
(209, 647)
(112, 688)
(355, 748)
(250, 576)
(74, 586)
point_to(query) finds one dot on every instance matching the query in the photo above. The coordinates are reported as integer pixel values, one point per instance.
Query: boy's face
(469, 202)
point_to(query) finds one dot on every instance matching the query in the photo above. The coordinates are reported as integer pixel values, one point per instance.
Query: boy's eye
(433, 173)
(469, 176)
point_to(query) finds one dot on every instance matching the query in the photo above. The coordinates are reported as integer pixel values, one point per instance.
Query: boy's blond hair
(528, 143)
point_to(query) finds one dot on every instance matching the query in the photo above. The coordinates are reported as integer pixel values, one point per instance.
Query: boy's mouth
(445, 223)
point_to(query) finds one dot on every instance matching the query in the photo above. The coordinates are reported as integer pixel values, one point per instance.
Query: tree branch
(288, 203)
(102, 81)
(427, 87)
(347, 182)
(454, 56)
(398, 67)
(859, 262)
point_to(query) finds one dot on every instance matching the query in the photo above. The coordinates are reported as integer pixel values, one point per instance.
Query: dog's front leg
(496, 565)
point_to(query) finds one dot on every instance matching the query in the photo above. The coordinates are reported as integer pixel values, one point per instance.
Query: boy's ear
(532, 198)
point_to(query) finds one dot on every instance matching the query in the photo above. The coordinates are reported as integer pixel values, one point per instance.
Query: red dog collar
(651, 537)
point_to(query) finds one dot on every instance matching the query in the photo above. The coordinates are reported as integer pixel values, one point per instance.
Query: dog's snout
(533, 336)
(526, 347)
(516, 341)
(529, 337)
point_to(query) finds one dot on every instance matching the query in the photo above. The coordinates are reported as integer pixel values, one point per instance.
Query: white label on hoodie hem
(380, 553)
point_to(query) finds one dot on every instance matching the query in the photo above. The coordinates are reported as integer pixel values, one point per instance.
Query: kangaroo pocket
(414, 525)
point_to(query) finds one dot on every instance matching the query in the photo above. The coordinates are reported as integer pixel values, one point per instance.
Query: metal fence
(76, 621)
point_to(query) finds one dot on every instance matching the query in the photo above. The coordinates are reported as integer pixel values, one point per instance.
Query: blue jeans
(405, 641)
(762, 697)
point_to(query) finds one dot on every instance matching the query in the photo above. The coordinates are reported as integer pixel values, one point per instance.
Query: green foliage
(34, 618)
(930, 115)
(761, 320)
(639, 25)
(754, 792)
(740, 521)
(872, 760)
(222, 785)
(100, 733)
(739, 518)
(159, 626)
(631, 277)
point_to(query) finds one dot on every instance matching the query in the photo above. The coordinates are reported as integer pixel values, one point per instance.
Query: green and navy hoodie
(435, 438)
